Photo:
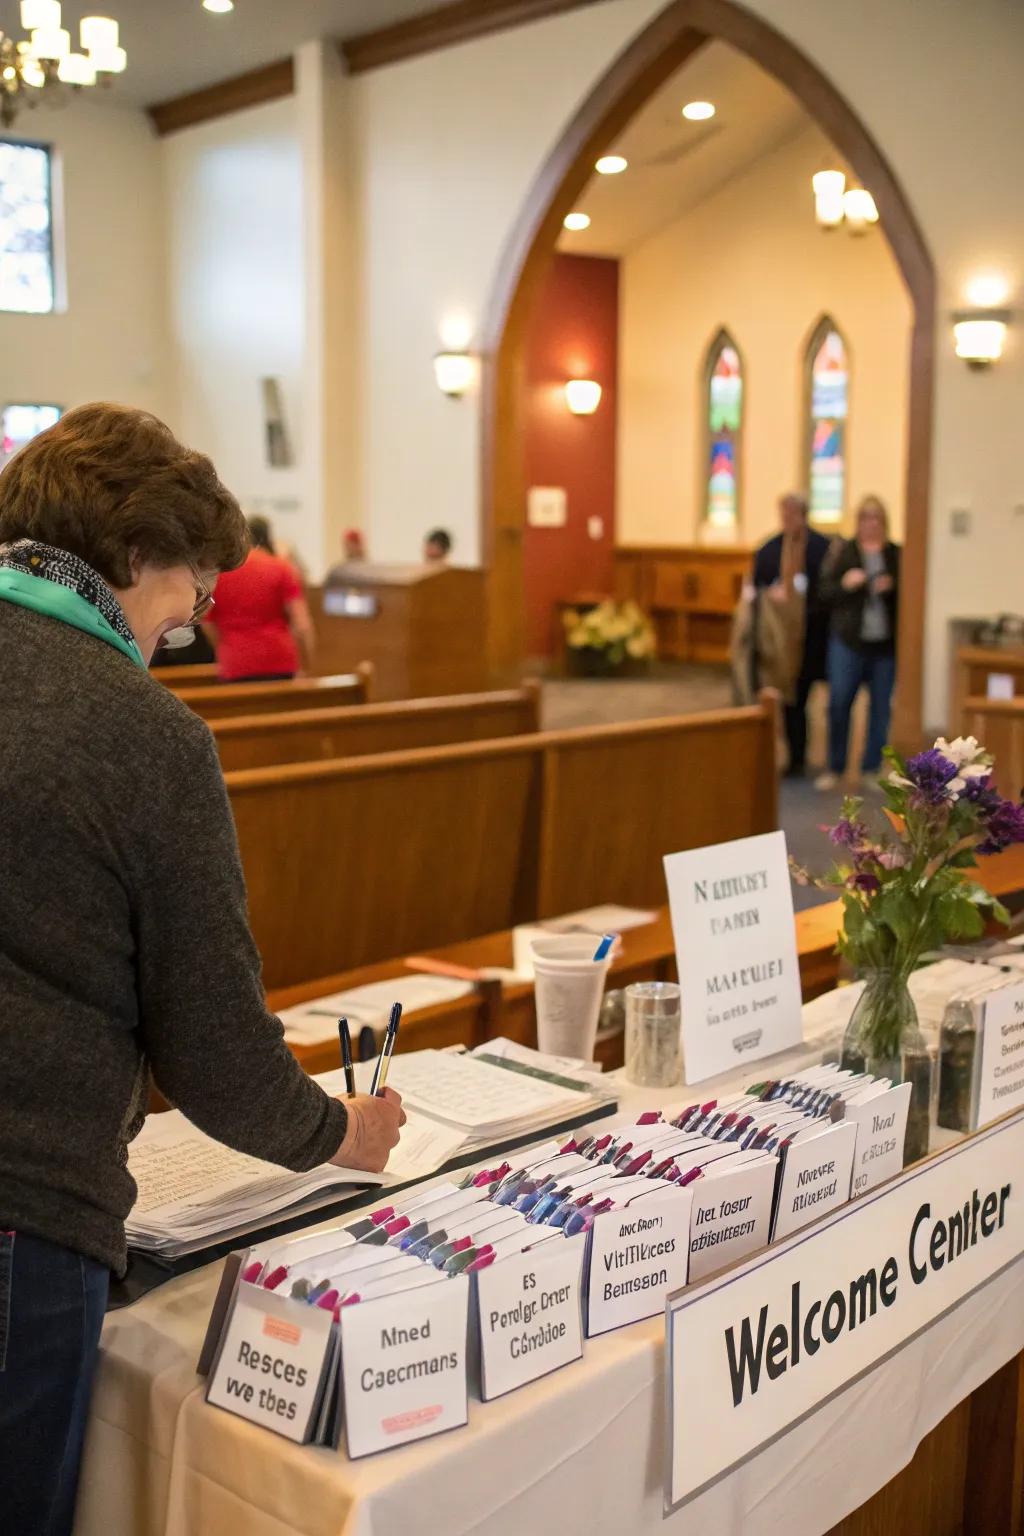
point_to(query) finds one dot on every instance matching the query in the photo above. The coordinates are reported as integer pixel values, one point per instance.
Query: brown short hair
(109, 483)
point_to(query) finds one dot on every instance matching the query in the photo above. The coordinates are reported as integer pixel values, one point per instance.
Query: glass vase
(884, 1038)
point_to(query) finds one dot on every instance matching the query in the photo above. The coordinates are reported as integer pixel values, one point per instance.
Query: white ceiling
(175, 46)
(675, 164)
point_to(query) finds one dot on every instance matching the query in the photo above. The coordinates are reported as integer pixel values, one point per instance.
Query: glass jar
(654, 1035)
(884, 1038)
(958, 1057)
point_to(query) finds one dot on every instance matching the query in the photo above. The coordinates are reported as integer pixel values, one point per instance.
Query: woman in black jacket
(860, 586)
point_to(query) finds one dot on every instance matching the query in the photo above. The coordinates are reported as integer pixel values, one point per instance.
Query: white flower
(963, 753)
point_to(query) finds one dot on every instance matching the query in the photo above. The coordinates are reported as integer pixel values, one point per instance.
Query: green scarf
(58, 602)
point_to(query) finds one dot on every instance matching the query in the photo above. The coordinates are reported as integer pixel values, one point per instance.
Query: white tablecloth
(582, 1450)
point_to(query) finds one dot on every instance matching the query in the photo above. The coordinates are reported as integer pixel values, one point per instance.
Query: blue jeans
(52, 1303)
(848, 670)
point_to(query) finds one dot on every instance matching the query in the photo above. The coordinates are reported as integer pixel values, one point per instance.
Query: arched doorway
(669, 40)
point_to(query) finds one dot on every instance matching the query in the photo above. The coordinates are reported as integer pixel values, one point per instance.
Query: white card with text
(732, 918)
(271, 1361)
(815, 1178)
(732, 1212)
(881, 1131)
(638, 1254)
(403, 1362)
(1001, 1079)
(530, 1314)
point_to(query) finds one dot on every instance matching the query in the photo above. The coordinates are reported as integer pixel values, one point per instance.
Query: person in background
(787, 570)
(437, 546)
(353, 552)
(125, 947)
(261, 617)
(860, 587)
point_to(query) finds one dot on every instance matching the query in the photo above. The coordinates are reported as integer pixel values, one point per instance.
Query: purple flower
(931, 775)
(892, 858)
(847, 833)
(980, 792)
(863, 880)
(1004, 825)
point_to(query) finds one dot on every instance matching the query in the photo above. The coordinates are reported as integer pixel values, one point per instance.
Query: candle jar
(654, 1040)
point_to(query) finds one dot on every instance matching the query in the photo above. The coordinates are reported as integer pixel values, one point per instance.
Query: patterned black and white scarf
(67, 570)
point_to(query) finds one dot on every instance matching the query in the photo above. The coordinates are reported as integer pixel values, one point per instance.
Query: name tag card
(732, 918)
(637, 1255)
(1001, 1079)
(529, 1313)
(816, 1177)
(752, 1352)
(732, 1213)
(271, 1362)
(881, 1130)
(403, 1362)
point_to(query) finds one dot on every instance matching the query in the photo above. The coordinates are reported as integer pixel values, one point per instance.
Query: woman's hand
(854, 580)
(373, 1129)
(881, 585)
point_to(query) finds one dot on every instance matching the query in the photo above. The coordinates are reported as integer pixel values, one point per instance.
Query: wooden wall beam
(441, 28)
(250, 90)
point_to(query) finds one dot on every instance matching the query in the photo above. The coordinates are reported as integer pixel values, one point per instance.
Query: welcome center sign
(755, 1350)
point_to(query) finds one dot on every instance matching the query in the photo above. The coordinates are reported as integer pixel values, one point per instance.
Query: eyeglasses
(204, 598)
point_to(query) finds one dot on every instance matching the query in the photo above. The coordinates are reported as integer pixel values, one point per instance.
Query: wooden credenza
(421, 627)
(690, 592)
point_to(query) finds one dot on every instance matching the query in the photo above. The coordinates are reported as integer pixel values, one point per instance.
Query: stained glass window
(20, 423)
(26, 237)
(724, 424)
(828, 374)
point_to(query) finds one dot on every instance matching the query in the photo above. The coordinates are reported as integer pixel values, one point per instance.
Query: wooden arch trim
(655, 54)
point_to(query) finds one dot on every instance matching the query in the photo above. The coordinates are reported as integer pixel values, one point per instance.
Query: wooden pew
(199, 675)
(353, 860)
(999, 726)
(230, 700)
(971, 669)
(260, 741)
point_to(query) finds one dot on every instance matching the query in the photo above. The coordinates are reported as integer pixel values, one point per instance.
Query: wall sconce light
(829, 187)
(859, 208)
(454, 373)
(980, 334)
(583, 396)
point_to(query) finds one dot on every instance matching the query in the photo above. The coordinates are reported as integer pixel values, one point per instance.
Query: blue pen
(529, 1198)
(546, 1204)
(605, 945)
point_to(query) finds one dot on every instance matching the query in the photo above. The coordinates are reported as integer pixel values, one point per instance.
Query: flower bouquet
(603, 638)
(906, 893)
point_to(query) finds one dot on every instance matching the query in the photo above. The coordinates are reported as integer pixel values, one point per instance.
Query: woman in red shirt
(261, 616)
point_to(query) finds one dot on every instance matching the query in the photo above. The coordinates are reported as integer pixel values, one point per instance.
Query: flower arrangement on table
(613, 632)
(906, 892)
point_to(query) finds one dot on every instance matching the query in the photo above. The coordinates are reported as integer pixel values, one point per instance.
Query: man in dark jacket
(787, 570)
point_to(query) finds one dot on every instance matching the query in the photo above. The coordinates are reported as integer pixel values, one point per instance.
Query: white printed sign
(529, 1310)
(732, 918)
(754, 1350)
(271, 1362)
(637, 1255)
(1001, 1079)
(732, 1212)
(999, 685)
(403, 1362)
(815, 1179)
(881, 1131)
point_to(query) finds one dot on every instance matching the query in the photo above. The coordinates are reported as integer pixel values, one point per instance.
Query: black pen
(346, 1058)
(380, 1071)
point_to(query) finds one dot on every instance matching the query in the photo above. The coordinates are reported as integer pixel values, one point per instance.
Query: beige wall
(448, 143)
(752, 259)
(110, 341)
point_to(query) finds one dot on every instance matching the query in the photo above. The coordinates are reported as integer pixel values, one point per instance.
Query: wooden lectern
(421, 626)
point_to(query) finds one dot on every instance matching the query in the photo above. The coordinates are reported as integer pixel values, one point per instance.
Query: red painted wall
(573, 334)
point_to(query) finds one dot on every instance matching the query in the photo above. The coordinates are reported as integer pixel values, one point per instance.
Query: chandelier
(44, 61)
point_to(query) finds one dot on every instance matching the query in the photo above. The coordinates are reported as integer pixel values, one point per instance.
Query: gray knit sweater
(124, 943)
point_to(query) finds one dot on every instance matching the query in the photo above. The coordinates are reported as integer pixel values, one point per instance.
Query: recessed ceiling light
(577, 221)
(219, 7)
(611, 165)
(698, 111)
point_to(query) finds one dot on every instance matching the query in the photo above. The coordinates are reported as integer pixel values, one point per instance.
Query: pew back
(349, 862)
(193, 675)
(230, 700)
(999, 726)
(260, 741)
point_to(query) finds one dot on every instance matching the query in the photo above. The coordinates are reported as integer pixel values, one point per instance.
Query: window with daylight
(724, 423)
(828, 408)
(19, 424)
(26, 229)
